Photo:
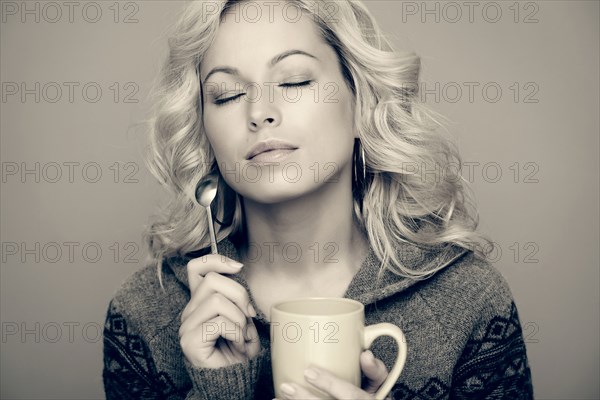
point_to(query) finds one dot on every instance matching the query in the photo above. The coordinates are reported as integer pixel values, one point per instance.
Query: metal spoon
(206, 191)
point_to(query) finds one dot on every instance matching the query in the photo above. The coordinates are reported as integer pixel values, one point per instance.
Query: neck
(303, 237)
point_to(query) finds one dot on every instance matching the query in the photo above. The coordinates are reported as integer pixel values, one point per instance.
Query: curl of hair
(402, 199)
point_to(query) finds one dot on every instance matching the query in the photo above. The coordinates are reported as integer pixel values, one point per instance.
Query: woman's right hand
(216, 325)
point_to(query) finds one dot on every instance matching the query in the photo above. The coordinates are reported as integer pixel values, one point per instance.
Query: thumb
(375, 371)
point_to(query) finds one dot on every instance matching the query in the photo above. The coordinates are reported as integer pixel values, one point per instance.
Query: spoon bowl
(206, 191)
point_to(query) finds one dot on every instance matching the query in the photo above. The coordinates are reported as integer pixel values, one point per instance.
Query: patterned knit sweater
(462, 329)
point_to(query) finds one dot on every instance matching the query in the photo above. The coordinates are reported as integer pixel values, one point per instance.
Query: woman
(323, 154)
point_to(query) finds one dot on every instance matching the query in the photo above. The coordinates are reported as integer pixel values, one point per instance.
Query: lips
(267, 146)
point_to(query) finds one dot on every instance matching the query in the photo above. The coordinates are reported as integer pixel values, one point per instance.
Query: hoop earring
(358, 150)
(226, 199)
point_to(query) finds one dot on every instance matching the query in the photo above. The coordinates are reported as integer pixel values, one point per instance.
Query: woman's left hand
(373, 368)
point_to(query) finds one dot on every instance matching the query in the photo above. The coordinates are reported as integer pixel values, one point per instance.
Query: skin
(278, 208)
(303, 211)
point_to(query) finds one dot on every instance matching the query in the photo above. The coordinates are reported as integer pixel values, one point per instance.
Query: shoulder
(143, 305)
(469, 278)
(493, 358)
(466, 290)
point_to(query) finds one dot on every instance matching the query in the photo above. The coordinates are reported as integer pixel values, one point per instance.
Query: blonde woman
(311, 122)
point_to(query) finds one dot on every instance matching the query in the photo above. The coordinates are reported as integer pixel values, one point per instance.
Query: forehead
(253, 35)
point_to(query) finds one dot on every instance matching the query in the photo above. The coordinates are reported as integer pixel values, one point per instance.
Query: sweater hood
(364, 286)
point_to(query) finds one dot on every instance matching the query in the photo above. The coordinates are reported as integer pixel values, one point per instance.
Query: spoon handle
(211, 229)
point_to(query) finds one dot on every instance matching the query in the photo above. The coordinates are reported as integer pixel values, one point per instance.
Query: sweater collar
(364, 286)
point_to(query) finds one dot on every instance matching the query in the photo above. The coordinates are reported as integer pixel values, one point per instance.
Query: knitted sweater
(462, 329)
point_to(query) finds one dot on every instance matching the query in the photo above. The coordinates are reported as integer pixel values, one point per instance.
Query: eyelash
(220, 102)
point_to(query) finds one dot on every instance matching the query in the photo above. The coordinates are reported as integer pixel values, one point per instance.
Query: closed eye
(220, 102)
(295, 84)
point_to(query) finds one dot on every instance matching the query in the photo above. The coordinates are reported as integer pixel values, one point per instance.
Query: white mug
(330, 333)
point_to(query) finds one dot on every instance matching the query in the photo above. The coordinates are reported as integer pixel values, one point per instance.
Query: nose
(256, 124)
(262, 113)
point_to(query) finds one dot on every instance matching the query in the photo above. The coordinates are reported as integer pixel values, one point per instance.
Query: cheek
(339, 136)
(335, 120)
(219, 133)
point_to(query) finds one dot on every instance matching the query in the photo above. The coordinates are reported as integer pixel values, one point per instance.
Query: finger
(216, 321)
(295, 391)
(230, 350)
(334, 386)
(206, 339)
(222, 333)
(216, 305)
(198, 267)
(214, 282)
(252, 339)
(375, 371)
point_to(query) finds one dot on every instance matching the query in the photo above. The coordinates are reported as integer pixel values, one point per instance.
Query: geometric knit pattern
(494, 363)
(492, 366)
(129, 370)
(434, 389)
(488, 360)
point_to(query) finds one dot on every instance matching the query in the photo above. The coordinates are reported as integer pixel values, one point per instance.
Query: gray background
(52, 308)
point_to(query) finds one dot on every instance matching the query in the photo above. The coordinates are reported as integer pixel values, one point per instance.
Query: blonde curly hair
(400, 135)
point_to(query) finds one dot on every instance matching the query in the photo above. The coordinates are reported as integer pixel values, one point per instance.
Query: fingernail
(251, 310)
(287, 389)
(370, 356)
(251, 333)
(311, 373)
(234, 264)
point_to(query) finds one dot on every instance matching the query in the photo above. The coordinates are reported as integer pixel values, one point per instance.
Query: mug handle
(372, 332)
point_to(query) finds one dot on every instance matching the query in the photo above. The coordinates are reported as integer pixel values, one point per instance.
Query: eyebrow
(271, 64)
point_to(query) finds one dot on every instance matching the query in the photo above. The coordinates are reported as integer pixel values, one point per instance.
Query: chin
(275, 192)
